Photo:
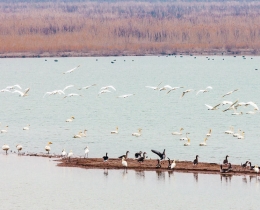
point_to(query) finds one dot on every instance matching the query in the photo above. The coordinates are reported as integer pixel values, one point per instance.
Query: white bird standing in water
(138, 133)
(5, 147)
(231, 131)
(204, 142)
(178, 133)
(63, 153)
(19, 147)
(47, 147)
(124, 163)
(115, 132)
(256, 169)
(4, 130)
(26, 127)
(71, 70)
(187, 143)
(84, 134)
(86, 150)
(70, 154)
(70, 119)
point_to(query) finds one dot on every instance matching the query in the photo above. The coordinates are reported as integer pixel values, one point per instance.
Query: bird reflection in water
(196, 176)
(105, 171)
(124, 172)
(244, 179)
(170, 173)
(226, 177)
(252, 177)
(140, 174)
(160, 175)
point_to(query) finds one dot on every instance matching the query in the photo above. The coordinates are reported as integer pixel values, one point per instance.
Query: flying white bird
(226, 102)
(154, 88)
(204, 91)
(69, 86)
(125, 96)
(174, 88)
(106, 87)
(5, 90)
(87, 87)
(22, 94)
(186, 91)
(104, 91)
(252, 104)
(13, 87)
(228, 93)
(212, 107)
(71, 70)
(72, 94)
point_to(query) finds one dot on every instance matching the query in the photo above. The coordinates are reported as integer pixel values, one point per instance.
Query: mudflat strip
(150, 164)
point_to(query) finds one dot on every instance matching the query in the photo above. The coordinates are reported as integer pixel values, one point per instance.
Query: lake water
(36, 183)
(156, 112)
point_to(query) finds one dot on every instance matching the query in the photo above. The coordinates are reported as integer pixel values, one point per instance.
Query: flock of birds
(229, 105)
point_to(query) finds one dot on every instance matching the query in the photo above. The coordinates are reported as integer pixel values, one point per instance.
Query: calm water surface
(156, 112)
(36, 183)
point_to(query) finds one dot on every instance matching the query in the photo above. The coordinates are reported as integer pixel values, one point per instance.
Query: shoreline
(238, 52)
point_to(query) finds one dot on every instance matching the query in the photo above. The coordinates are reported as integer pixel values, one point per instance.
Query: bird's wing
(159, 84)
(215, 106)
(183, 93)
(252, 104)
(26, 91)
(18, 86)
(112, 87)
(69, 86)
(150, 87)
(233, 103)
(210, 107)
(209, 87)
(200, 91)
(47, 93)
(168, 86)
(156, 152)
(17, 91)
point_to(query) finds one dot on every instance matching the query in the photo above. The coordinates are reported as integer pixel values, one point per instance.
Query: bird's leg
(6, 152)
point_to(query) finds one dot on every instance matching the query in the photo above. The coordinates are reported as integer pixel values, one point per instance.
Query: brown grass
(132, 27)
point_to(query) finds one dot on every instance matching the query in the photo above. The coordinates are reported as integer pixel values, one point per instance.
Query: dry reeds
(135, 27)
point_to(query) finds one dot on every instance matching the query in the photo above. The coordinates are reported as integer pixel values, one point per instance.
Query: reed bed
(107, 28)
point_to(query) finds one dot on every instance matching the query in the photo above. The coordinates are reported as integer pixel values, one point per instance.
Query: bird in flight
(71, 70)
